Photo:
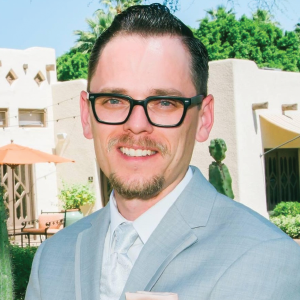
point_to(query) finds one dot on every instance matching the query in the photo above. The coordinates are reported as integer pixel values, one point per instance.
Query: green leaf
(76, 195)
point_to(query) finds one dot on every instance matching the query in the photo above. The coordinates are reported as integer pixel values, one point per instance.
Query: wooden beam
(263, 105)
(50, 67)
(289, 107)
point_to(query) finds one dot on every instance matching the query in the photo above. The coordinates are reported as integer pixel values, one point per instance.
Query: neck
(132, 209)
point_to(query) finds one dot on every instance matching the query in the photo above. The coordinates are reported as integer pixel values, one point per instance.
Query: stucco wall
(236, 85)
(24, 92)
(250, 165)
(221, 86)
(75, 146)
(278, 88)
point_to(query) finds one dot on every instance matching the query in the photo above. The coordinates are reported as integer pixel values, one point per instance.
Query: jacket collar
(197, 200)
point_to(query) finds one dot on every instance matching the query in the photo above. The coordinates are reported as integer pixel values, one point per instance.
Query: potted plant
(73, 197)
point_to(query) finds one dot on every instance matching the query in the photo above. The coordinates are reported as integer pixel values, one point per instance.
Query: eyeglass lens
(113, 109)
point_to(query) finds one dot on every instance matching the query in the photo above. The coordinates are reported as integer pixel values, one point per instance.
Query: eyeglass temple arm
(197, 99)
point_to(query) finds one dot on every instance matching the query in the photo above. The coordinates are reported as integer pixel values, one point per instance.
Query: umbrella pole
(13, 196)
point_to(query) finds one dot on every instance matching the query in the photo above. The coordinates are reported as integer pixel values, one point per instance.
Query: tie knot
(125, 236)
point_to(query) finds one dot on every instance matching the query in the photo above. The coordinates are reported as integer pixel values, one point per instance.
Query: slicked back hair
(155, 20)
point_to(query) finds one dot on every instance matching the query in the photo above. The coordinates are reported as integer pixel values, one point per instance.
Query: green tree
(72, 65)
(257, 38)
(117, 6)
(172, 4)
(100, 22)
(97, 25)
(263, 16)
(297, 29)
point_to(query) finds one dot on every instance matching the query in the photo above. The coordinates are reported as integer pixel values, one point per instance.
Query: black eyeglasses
(161, 111)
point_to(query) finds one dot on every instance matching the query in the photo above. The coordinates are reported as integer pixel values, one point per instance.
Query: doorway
(282, 176)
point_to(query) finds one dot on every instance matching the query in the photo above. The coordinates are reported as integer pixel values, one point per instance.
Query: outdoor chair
(47, 224)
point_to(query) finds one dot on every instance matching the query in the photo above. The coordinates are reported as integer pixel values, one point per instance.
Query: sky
(51, 23)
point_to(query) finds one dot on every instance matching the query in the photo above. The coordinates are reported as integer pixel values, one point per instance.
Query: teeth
(131, 152)
(137, 152)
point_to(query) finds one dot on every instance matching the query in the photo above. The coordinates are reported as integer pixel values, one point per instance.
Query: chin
(137, 188)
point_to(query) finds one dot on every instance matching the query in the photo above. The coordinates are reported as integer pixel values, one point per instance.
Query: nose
(138, 121)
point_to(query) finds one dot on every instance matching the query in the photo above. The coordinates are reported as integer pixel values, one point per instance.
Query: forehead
(133, 62)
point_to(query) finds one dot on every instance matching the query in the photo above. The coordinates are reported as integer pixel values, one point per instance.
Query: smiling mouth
(136, 152)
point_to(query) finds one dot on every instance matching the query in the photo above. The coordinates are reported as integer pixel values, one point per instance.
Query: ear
(85, 115)
(206, 119)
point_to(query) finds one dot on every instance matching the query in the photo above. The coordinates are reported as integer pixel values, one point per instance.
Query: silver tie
(120, 265)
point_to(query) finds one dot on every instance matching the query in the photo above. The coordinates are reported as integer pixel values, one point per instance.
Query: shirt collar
(149, 220)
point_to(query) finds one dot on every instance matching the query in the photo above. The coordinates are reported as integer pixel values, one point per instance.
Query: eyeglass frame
(187, 102)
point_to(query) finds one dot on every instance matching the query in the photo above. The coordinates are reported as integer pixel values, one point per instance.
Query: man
(165, 229)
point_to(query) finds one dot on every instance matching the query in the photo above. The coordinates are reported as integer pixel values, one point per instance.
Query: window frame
(41, 111)
(5, 111)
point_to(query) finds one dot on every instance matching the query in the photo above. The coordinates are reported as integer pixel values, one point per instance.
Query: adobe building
(26, 118)
(256, 110)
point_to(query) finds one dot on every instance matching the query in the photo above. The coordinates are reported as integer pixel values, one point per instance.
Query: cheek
(101, 137)
(178, 144)
(186, 139)
(101, 154)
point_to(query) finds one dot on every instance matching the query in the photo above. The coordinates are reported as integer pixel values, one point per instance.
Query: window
(11, 76)
(3, 117)
(39, 78)
(32, 117)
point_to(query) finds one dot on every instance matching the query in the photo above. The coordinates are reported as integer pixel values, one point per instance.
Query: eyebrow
(114, 91)
(152, 92)
(165, 92)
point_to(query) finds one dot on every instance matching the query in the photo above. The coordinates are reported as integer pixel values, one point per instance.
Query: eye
(166, 103)
(113, 101)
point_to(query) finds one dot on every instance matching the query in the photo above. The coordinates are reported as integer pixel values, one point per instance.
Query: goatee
(137, 190)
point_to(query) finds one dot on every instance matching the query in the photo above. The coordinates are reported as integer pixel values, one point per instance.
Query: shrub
(76, 195)
(288, 224)
(21, 264)
(6, 279)
(287, 209)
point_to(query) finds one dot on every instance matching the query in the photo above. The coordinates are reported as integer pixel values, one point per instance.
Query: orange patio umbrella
(13, 155)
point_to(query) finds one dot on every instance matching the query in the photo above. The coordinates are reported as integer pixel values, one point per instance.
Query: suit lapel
(89, 254)
(173, 235)
(159, 250)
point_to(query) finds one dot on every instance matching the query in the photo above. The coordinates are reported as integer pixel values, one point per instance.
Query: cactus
(219, 175)
(6, 278)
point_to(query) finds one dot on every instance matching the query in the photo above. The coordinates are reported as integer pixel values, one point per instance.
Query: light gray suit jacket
(207, 247)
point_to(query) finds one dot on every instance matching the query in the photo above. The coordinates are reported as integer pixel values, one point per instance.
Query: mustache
(145, 142)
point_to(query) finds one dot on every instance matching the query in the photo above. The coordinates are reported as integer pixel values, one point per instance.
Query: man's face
(141, 67)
